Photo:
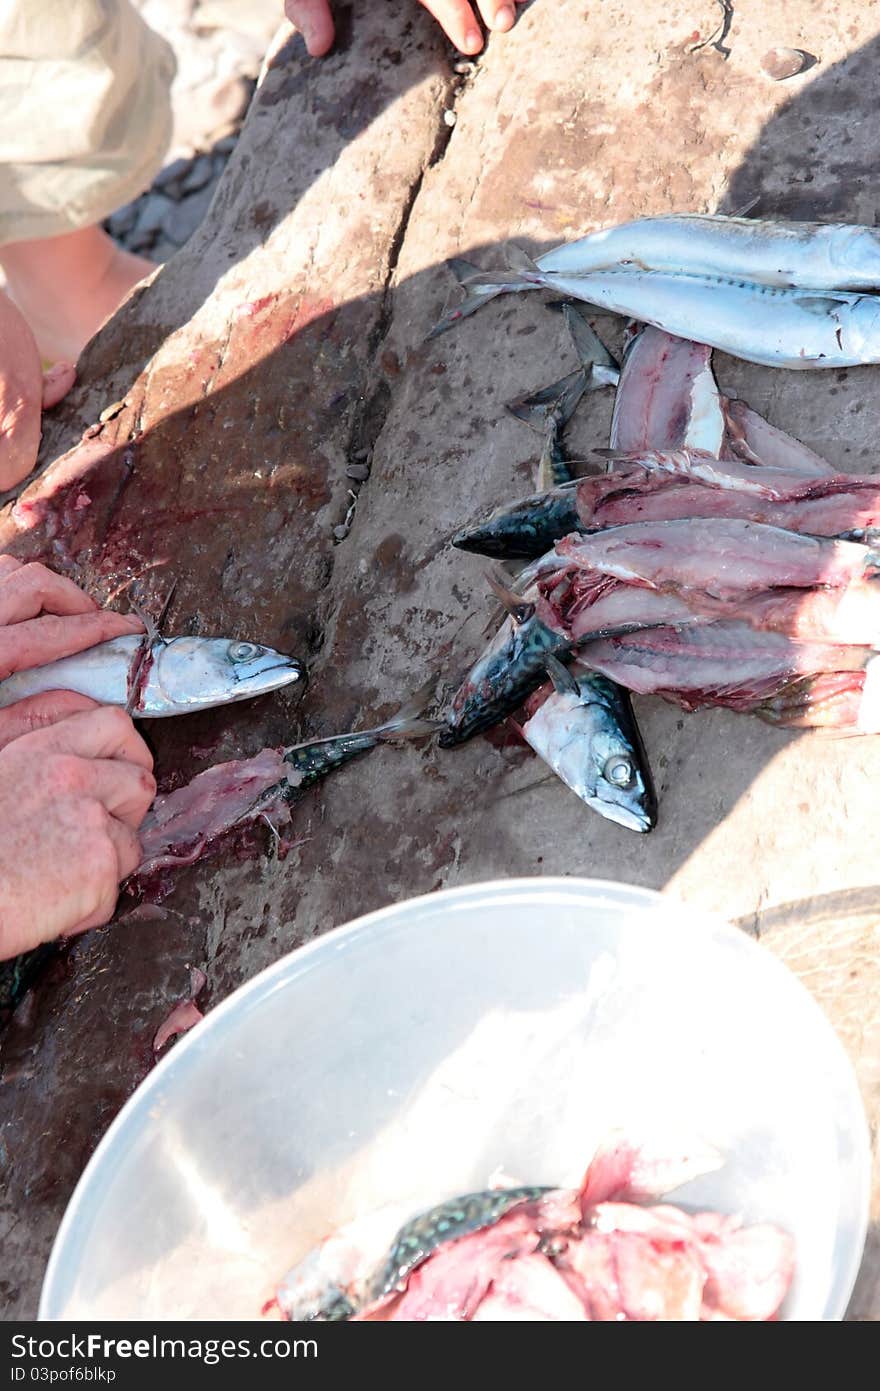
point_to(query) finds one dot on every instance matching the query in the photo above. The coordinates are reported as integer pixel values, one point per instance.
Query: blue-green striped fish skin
(525, 529)
(457, 1217)
(311, 762)
(502, 679)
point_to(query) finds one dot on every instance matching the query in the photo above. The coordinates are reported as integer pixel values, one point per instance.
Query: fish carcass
(604, 1251)
(185, 824)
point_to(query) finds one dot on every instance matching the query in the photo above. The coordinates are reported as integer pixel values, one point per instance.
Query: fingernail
(503, 18)
(473, 41)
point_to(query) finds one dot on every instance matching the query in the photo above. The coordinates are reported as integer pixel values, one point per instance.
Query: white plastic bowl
(413, 1052)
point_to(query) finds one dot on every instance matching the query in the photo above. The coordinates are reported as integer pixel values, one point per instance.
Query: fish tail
(479, 289)
(556, 401)
(409, 722)
(463, 270)
(589, 346)
(516, 258)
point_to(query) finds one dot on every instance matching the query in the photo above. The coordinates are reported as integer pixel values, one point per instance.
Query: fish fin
(409, 721)
(153, 626)
(479, 289)
(589, 346)
(563, 681)
(515, 258)
(463, 270)
(560, 397)
(518, 609)
(620, 457)
(621, 1171)
(745, 208)
(821, 305)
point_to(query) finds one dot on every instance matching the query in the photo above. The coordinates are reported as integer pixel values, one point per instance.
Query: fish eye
(619, 771)
(243, 651)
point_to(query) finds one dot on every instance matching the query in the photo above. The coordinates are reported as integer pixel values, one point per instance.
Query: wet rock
(168, 179)
(358, 472)
(154, 208)
(122, 221)
(162, 250)
(198, 175)
(182, 218)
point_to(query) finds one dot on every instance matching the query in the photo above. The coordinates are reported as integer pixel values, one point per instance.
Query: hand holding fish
(458, 19)
(25, 391)
(71, 800)
(43, 617)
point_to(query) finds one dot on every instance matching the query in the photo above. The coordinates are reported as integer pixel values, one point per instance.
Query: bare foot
(67, 287)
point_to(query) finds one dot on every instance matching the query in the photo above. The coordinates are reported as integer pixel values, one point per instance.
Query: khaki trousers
(85, 112)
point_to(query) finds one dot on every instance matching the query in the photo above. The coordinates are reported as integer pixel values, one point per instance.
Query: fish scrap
(184, 825)
(604, 1251)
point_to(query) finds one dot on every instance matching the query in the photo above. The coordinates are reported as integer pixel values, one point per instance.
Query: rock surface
(284, 342)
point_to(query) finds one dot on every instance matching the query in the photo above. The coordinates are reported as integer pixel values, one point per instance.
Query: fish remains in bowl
(600, 1252)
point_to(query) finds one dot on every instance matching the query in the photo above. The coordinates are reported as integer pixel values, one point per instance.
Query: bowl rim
(296, 962)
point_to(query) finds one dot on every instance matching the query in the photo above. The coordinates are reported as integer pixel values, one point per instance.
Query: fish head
(193, 673)
(523, 530)
(590, 740)
(617, 785)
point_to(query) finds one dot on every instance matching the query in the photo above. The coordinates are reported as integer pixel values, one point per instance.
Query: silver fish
(587, 733)
(766, 324)
(175, 677)
(807, 255)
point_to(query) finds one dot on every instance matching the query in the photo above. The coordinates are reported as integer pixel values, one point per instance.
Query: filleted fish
(605, 1251)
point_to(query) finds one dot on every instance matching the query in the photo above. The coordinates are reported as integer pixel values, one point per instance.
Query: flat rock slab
(287, 340)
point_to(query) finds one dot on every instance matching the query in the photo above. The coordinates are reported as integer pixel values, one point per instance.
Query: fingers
(8, 563)
(30, 590)
(458, 21)
(40, 640)
(498, 14)
(125, 789)
(103, 733)
(57, 382)
(126, 850)
(314, 21)
(39, 711)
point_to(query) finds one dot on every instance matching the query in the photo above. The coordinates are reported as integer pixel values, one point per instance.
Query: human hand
(72, 797)
(25, 392)
(458, 18)
(44, 616)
